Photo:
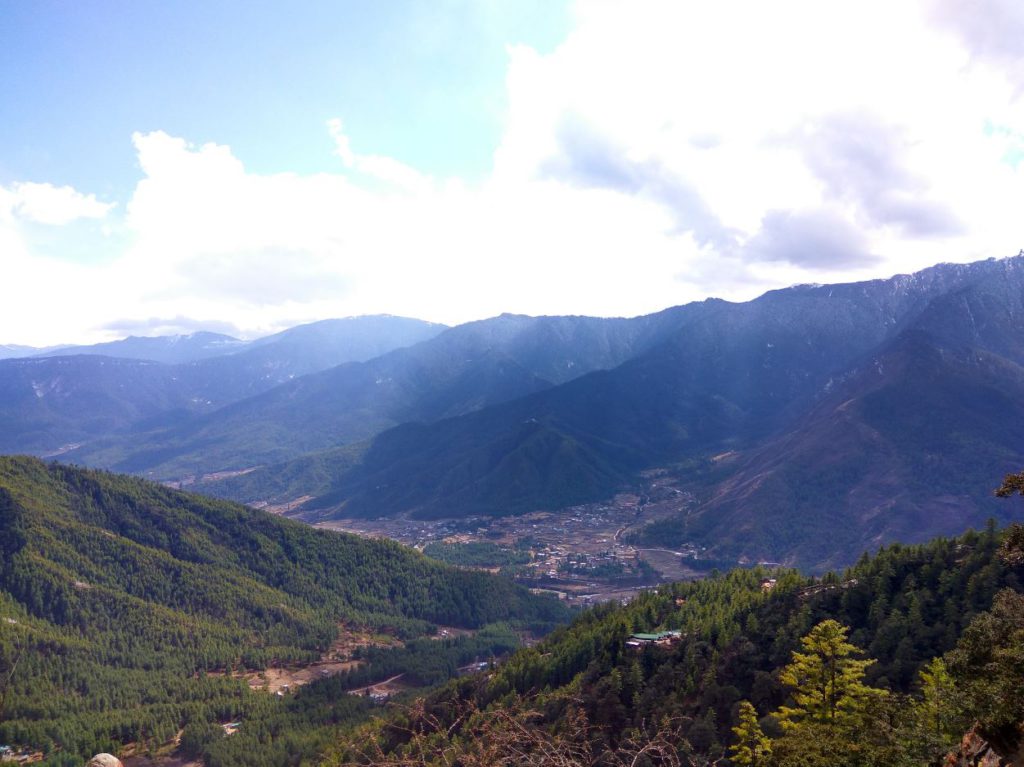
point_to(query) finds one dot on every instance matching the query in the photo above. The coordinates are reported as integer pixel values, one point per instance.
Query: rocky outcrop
(104, 760)
(976, 751)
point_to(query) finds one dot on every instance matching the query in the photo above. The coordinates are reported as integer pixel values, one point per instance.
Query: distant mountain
(17, 351)
(301, 349)
(49, 403)
(903, 446)
(168, 349)
(853, 414)
(13, 351)
(273, 360)
(324, 344)
(458, 371)
(906, 448)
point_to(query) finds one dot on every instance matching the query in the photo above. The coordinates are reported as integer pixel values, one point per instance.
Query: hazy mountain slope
(51, 402)
(325, 344)
(301, 349)
(461, 370)
(15, 351)
(762, 378)
(170, 350)
(904, 450)
(761, 362)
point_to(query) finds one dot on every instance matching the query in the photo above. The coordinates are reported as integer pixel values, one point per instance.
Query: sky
(247, 166)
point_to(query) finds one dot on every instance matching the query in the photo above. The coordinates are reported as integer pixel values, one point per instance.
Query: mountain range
(823, 420)
(60, 399)
(809, 424)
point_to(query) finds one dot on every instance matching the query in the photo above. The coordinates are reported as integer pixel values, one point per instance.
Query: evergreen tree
(827, 684)
(935, 711)
(752, 747)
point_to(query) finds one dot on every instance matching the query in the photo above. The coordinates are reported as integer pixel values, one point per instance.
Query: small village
(580, 554)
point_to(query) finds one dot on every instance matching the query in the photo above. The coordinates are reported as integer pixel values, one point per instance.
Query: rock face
(976, 751)
(104, 760)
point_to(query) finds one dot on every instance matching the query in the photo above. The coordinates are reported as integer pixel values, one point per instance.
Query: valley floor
(580, 553)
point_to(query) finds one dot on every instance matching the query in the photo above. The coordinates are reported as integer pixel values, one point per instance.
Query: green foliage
(425, 662)
(1013, 484)
(1012, 548)
(132, 605)
(751, 747)
(793, 647)
(196, 738)
(988, 663)
(937, 722)
(826, 683)
(476, 554)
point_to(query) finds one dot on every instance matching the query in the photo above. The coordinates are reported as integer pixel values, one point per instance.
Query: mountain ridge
(732, 377)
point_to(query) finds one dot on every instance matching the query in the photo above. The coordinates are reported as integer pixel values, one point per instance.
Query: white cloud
(49, 204)
(764, 108)
(664, 152)
(385, 169)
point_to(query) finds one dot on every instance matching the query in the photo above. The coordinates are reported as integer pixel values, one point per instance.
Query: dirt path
(275, 680)
(336, 660)
(387, 686)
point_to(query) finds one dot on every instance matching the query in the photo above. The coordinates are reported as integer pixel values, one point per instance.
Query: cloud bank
(662, 153)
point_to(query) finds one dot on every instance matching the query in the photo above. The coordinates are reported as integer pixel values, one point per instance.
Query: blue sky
(417, 80)
(166, 167)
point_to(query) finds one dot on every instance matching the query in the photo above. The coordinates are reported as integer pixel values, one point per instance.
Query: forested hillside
(123, 602)
(888, 663)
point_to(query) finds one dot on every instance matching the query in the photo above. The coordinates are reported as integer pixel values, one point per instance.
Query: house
(661, 638)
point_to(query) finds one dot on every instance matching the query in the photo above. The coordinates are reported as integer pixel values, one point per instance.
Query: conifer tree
(827, 684)
(937, 692)
(752, 746)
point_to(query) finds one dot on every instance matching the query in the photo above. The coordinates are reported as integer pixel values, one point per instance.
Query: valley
(581, 554)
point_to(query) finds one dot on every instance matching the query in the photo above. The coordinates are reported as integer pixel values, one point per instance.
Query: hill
(128, 610)
(49, 405)
(903, 448)
(11, 351)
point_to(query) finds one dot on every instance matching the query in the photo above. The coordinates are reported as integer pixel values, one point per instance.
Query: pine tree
(937, 692)
(934, 725)
(827, 684)
(752, 746)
